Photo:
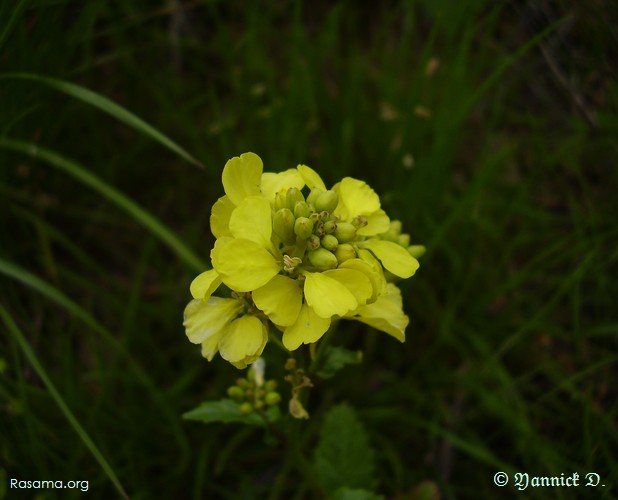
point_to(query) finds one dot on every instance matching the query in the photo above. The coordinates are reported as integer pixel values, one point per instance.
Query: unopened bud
(327, 201)
(360, 221)
(330, 226)
(416, 251)
(345, 252)
(236, 393)
(403, 239)
(395, 227)
(330, 242)
(345, 232)
(301, 209)
(283, 226)
(313, 196)
(303, 227)
(313, 242)
(272, 398)
(246, 408)
(271, 385)
(292, 197)
(280, 198)
(322, 259)
(259, 404)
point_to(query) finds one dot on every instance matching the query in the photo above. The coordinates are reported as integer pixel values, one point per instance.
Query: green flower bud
(313, 242)
(393, 232)
(270, 385)
(236, 393)
(330, 226)
(303, 227)
(301, 209)
(327, 201)
(272, 398)
(292, 197)
(280, 198)
(322, 259)
(403, 239)
(344, 252)
(330, 242)
(283, 226)
(359, 221)
(242, 382)
(259, 405)
(395, 227)
(246, 408)
(313, 196)
(416, 251)
(345, 232)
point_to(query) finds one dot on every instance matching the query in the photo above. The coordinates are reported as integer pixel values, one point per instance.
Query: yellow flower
(298, 262)
(219, 325)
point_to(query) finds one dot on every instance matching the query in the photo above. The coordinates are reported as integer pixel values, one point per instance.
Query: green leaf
(227, 410)
(335, 358)
(108, 106)
(343, 457)
(354, 494)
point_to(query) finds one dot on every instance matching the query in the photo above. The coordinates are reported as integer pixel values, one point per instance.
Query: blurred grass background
(488, 128)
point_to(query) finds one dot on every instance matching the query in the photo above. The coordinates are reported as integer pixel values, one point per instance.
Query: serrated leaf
(335, 358)
(354, 494)
(343, 457)
(227, 410)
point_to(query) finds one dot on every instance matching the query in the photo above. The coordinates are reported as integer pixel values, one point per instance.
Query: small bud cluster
(310, 232)
(254, 394)
(395, 235)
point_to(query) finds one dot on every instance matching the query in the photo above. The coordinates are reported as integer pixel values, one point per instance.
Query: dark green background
(501, 160)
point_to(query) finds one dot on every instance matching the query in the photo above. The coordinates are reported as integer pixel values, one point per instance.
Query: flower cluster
(298, 256)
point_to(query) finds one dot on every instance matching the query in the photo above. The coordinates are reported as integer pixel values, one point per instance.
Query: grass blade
(108, 106)
(81, 432)
(9, 25)
(133, 209)
(9, 269)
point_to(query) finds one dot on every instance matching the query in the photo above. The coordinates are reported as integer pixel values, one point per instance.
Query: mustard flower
(228, 327)
(301, 262)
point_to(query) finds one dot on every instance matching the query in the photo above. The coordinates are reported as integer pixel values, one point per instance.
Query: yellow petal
(204, 319)
(327, 296)
(220, 217)
(243, 264)
(355, 281)
(241, 177)
(243, 341)
(281, 299)
(308, 328)
(205, 284)
(252, 220)
(377, 223)
(393, 257)
(273, 183)
(311, 177)
(385, 314)
(358, 197)
(377, 276)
